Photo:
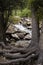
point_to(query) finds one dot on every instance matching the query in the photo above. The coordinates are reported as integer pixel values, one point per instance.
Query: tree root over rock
(15, 54)
(18, 60)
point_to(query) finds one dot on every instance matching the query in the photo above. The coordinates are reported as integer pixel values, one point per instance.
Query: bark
(11, 56)
(35, 28)
(41, 38)
(18, 60)
(40, 59)
(3, 26)
(1, 29)
(21, 50)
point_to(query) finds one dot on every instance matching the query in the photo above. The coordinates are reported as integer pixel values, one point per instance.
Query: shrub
(26, 12)
(14, 19)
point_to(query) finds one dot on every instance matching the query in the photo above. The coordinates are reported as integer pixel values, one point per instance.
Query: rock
(15, 36)
(12, 43)
(29, 23)
(11, 29)
(21, 35)
(27, 37)
(22, 28)
(29, 27)
(7, 40)
(3, 59)
(22, 43)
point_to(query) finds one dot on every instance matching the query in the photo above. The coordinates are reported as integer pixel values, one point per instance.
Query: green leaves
(38, 7)
(26, 12)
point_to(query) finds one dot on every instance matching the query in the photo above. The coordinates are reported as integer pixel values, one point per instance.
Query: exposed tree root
(18, 50)
(13, 56)
(18, 60)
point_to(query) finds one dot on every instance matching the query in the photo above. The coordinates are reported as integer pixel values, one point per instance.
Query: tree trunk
(1, 30)
(40, 59)
(2, 27)
(35, 28)
(36, 35)
(41, 38)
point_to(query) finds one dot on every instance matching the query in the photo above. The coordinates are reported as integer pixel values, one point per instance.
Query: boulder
(21, 35)
(11, 29)
(27, 37)
(15, 36)
(29, 27)
(22, 43)
(12, 43)
(2, 59)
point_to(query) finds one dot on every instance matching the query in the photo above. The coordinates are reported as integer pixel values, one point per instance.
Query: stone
(11, 29)
(29, 27)
(15, 36)
(22, 43)
(21, 35)
(28, 37)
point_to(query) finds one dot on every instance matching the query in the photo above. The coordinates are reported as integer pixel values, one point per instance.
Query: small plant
(14, 19)
(25, 12)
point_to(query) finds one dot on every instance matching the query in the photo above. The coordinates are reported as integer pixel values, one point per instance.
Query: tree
(6, 7)
(36, 10)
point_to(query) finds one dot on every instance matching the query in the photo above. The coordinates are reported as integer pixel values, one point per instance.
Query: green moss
(14, 19)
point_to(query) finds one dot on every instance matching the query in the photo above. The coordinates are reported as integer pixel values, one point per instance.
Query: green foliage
(9, 5)
(14, 19)
(18, 12)
(37, 6)
(40, 13)
(26, 12)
